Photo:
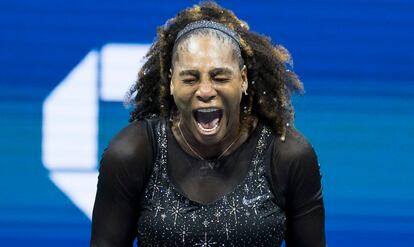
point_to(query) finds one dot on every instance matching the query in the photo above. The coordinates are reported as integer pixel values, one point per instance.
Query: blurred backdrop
(65, 66)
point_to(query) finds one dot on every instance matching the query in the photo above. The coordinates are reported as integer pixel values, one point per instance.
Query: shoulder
(128, 140)
(132, 145)
(124, 167)
(296, 147)
(296, 169)
(295, 159)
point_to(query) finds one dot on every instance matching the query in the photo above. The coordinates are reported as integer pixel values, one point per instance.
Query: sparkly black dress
(207, 204)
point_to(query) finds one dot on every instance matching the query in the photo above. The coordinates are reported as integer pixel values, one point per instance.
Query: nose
(206, 92)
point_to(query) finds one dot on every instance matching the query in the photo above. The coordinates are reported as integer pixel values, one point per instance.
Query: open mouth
(208, 119)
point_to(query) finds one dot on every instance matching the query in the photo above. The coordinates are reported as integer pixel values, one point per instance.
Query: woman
(211, 157)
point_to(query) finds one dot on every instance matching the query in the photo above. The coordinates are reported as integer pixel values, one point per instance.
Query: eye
(222, 79)
(189, 81)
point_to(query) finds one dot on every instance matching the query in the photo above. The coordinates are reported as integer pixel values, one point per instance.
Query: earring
(245, 87)
(245, 110)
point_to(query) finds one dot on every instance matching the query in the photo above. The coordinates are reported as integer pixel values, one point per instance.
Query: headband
(210, 25)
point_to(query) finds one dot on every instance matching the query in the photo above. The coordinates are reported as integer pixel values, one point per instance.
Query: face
(207, 85)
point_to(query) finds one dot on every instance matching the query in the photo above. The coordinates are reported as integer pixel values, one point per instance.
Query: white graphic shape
(119, 65)
(70, 118)
(80, 187)
(70, 115)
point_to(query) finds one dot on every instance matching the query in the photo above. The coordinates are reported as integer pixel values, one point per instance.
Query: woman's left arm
(297, 168)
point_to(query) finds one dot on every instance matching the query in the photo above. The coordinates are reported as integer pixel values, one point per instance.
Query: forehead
(205, 51)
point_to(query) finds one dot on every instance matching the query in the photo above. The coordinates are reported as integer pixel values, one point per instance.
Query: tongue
(211, 124)
(208, 120)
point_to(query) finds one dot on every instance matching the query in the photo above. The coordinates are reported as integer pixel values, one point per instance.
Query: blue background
(356, 59)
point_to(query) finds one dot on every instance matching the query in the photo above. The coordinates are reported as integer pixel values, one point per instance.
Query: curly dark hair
(271, 83)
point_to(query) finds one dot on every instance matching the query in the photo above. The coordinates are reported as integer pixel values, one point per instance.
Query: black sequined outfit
(264, 192)
(247, 216)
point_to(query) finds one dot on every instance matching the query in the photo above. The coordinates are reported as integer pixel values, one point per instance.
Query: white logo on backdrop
(70, 118)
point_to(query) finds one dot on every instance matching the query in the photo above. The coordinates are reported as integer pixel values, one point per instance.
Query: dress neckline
(253, 133)
(253, 137)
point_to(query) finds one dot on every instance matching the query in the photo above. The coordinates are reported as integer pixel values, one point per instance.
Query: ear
(171, 84)
(171, 88)
(245, 83)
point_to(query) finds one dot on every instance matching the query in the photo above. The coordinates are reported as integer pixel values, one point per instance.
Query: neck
(227, 145)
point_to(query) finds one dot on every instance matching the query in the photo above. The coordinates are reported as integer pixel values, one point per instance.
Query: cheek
(182, 97)
(233, 98)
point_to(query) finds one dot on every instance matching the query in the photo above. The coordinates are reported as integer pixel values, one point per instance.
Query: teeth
(208, 130)
(207, 110)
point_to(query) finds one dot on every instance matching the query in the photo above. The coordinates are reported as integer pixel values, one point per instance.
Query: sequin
(247, 216)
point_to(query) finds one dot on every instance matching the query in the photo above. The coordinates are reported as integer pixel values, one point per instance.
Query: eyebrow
(221, 71)
(189, 72)
(214, 72)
